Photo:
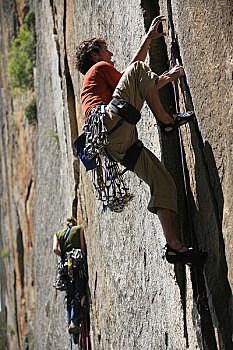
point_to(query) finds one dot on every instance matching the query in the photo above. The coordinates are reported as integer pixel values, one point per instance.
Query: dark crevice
(16, 20)
(181, 281)
(70, 92)
(208, 336)
(20, 256)
(71, 110)
(99, 338)
(166, 340)
(26, 212)
(55, 32)
(74, 135)
(144, 259)
(54, 13)
(29, 190)
(159, 63)
(95, 282)
(218, 286)
(220, 290)
(16, 308)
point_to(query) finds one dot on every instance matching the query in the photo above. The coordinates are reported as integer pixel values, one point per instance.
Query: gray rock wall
(137, 300)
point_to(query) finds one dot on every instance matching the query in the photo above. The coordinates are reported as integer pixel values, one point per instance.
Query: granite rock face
(137, 300)
(18, 145)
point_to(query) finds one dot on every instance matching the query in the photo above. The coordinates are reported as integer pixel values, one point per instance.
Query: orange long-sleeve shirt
(98, 86)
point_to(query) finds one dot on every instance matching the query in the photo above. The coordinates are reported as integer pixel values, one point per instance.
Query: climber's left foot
(185, 255)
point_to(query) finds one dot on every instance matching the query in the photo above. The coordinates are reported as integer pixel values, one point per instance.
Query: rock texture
(18, 144)
(137, 300)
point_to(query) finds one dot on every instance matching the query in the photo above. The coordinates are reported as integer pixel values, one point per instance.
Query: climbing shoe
(74, 328)
(178, 120)
(184, 255)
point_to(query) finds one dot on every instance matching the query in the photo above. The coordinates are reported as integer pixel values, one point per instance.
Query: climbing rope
(82, 339)
(108, 181)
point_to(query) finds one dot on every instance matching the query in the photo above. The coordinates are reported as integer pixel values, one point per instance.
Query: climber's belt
(126, 111)
(131, 155)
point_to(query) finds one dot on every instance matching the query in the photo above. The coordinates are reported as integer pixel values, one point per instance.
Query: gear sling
(128, 113)
(106, 176)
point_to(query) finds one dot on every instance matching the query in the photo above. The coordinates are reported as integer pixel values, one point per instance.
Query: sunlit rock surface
(137, 300)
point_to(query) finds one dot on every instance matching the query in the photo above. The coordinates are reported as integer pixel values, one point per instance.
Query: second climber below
(123, 95)
(65, 241)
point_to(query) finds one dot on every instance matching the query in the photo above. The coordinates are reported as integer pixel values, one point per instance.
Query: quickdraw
(110, 187)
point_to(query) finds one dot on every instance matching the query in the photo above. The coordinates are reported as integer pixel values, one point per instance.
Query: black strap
(121, 121)
(131, 155)
(67, 233)
(125, 110)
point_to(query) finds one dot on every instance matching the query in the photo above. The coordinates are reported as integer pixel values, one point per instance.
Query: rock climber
(123, 94)
(72, 236)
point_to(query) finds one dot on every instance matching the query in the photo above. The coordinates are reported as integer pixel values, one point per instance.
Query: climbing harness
(73, 265)
(125, 110)
(131, 155)
(197, 277)
(76, 262)
(107, 178)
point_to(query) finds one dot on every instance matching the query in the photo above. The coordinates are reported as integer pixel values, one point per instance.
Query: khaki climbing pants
(133, 87)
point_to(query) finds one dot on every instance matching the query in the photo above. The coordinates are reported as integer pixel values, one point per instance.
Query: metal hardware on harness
(107, 178)
(73, 264)
(75, 259)
(131, 155)
(60, 282)
(96, 132)
(109, 185)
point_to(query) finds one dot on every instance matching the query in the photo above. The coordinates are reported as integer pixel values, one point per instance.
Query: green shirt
(72, 241)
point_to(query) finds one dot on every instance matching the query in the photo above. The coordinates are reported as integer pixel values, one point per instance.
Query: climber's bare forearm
(171, 75)
(56, 250)
(142, 51)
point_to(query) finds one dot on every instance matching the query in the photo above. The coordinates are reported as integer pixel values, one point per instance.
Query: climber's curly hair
(82, 56)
